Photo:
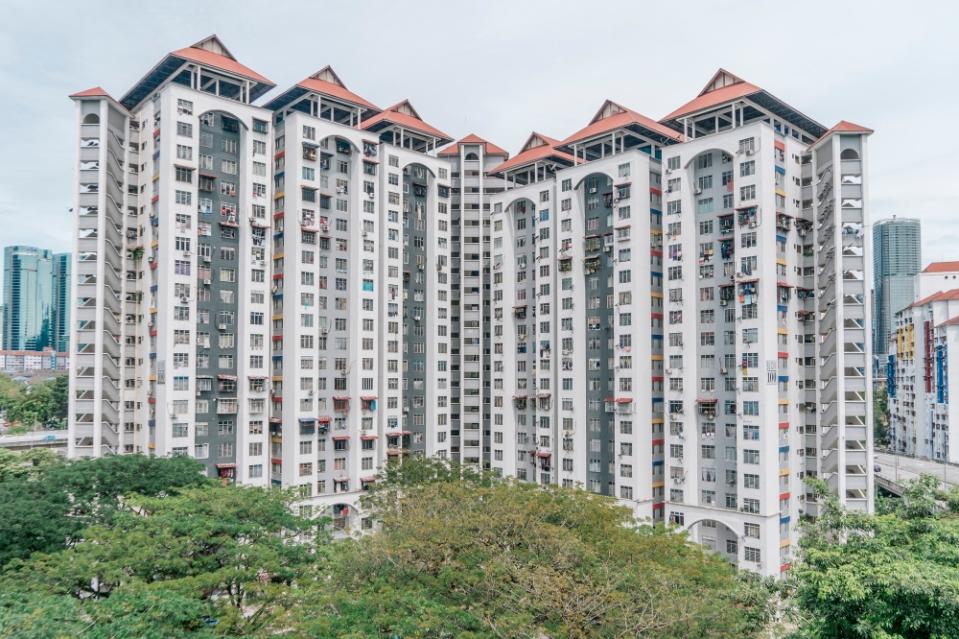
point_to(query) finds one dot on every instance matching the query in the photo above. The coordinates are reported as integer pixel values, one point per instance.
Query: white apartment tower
(752, 372)
(577, 310)
(767, 355)
(172, 266)
(472, 158)
(265, 288)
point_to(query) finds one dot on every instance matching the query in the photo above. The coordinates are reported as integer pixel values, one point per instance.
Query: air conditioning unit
(750, 151)
(184, 299)
(723, 302)
(698, 191)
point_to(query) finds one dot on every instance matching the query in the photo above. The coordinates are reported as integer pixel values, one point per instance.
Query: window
(185, 129)
(751, 554)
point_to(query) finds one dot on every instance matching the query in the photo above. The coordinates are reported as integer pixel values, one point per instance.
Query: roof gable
(327, 74)
(536, 140)
(488, 147)
(213, 44)
(721, 79)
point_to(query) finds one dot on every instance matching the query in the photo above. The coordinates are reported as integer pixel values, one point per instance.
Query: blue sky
(501, 69)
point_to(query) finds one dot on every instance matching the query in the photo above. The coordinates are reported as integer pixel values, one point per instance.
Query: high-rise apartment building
(674, 313)
(35, 299)
(699, 375)
(471, 158)
(897, 259)
(265, 288)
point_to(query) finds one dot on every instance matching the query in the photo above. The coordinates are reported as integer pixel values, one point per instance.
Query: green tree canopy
(460, 554)
(893, 575)
(45, 503)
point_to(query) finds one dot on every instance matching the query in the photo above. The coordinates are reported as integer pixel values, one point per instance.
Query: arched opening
(91, 118)
(472, 156)
(342, 516)
(716, 536)
(849, 154)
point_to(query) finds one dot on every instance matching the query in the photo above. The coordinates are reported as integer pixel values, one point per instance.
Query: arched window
(91, 118)
(849, 154)
(472, 156)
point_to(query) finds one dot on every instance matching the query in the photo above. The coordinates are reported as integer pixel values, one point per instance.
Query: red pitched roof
(940, 296)
(488, 147)
(334, 88)
(409, 120)
(710, 97)
(941, 267)
(219, 61)
(625, 117)
(950, 322)
(844, 126)
(545, 148)
(94, 92)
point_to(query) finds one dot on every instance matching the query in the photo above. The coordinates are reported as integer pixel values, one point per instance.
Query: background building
(60, 332)
(935, 278)
(897, 258)
(923, 343)
(35, 299)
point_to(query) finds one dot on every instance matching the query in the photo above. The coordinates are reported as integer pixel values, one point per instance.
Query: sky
(501, 69)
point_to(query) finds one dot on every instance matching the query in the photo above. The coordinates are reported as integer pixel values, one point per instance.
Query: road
(911, 468)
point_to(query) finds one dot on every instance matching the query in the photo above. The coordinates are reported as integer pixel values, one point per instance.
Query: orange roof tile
(334, 88)
(94, 92)
(488, 147)
(940, 296)
(219, 61)
(950, 322)
(942, 267)
(545, 147)
(711, 96)
(408, 118)
(625, 117)
(844, 126)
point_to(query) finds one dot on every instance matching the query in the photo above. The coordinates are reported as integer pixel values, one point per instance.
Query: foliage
(27, 464)
(45, 503)
(209, 560)
(891, 575)
(43, 403)
(461, 554)
(880, 419)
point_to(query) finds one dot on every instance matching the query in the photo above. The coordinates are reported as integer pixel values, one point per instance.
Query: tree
(29, 405)
(45, 506)
(27, 464)
(461, 554)
(880, 416)
(209, 560)
(891, 575)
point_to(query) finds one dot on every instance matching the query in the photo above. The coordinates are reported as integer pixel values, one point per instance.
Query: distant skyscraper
(60, 326)
(27, 298)
(896, 262)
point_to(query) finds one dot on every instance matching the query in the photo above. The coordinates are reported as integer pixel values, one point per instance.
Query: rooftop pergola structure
(613, 130)
(400, 125)
(538, 160)
(206, 66)
(727, 101)
(324, 95)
